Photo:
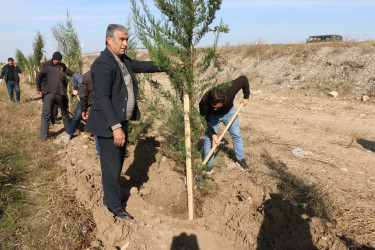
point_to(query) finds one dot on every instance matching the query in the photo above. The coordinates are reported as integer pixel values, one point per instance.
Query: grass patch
(36, 210)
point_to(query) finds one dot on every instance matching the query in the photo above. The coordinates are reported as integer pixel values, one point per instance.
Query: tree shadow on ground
(32, 99)
(144, 156)
(184, 241)
(369, 145)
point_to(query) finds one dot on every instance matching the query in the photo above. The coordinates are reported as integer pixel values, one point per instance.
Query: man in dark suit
(54, 93)
(57, 58)
(115, 103)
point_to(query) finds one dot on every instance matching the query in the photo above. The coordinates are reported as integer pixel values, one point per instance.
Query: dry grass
(37, 211)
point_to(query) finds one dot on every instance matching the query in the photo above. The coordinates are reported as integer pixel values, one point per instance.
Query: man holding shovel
(217, 106)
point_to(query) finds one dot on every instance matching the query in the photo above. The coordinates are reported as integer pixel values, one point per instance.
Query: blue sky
(270, 21)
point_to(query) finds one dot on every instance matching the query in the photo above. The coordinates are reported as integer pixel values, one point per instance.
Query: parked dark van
(324, 38)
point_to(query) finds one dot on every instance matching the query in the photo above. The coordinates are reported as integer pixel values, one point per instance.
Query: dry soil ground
(323, 200)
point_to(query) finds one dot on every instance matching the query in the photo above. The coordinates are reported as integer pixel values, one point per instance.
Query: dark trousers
(49, 100)
(54, 114)
(111, 161)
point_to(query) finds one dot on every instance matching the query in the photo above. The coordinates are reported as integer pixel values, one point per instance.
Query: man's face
(55, 61)
(119, 44)
(10, 62)
(217, 106)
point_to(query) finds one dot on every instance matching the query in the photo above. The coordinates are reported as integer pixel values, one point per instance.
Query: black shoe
(243, 164)
(124, 197)
(57, 122)
(122, 214)
(210, 170)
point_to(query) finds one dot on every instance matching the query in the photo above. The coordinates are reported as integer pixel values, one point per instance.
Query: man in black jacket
(54, 92)
(10, 72)
(115, 103)
(57, 58)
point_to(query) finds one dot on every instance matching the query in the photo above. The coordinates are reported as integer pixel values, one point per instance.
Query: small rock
(125, 246)
(231, 165)
(333, 94)
(86, 136)
(362, 115)
(85, 146)
(365, 98)
(134, 190)
(300, 153)
(344, 169)
(257, 92)
(57, 142)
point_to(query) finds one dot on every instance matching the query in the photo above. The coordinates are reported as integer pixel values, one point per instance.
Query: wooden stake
(222, 134)
(189, 171)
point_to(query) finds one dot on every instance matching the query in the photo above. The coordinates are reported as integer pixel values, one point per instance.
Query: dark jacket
(55, 81)
(110, 92)
(205, 108)
(86, 92)
(67, 72)
(4, 73)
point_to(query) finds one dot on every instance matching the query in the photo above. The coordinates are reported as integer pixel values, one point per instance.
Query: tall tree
(31, 64)
(172, 43)
(38, 47)
(68, 43)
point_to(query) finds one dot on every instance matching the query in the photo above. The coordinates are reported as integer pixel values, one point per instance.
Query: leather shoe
(124, 197)
(121, 213)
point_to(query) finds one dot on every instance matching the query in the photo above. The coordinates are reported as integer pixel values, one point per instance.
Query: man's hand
(85, 115)
(38, 92)
(244, 101)
(75, 92)
(215, 140)
(119, 137)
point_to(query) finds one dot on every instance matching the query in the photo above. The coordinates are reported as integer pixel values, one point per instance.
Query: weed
(35, 208)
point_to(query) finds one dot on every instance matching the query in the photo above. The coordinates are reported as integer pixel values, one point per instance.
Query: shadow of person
(54, 134)
(287, 214)
(369, 145)
(184, 241)
(32, 99)
(283, 226)
(144, 156)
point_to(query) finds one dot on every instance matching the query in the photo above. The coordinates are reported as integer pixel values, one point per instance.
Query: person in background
(54, 93)
(10, 72)
(76, 119)
(86, 95)
(115, 103)
(217, 106)
(56, 57)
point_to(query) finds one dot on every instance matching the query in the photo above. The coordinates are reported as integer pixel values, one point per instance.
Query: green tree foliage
(31, 65)
(68, 43)
(172, 43)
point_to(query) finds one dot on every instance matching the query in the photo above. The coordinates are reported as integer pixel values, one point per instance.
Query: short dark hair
(216, 96)
(10, 59)
(112, 29)
(60, 65)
